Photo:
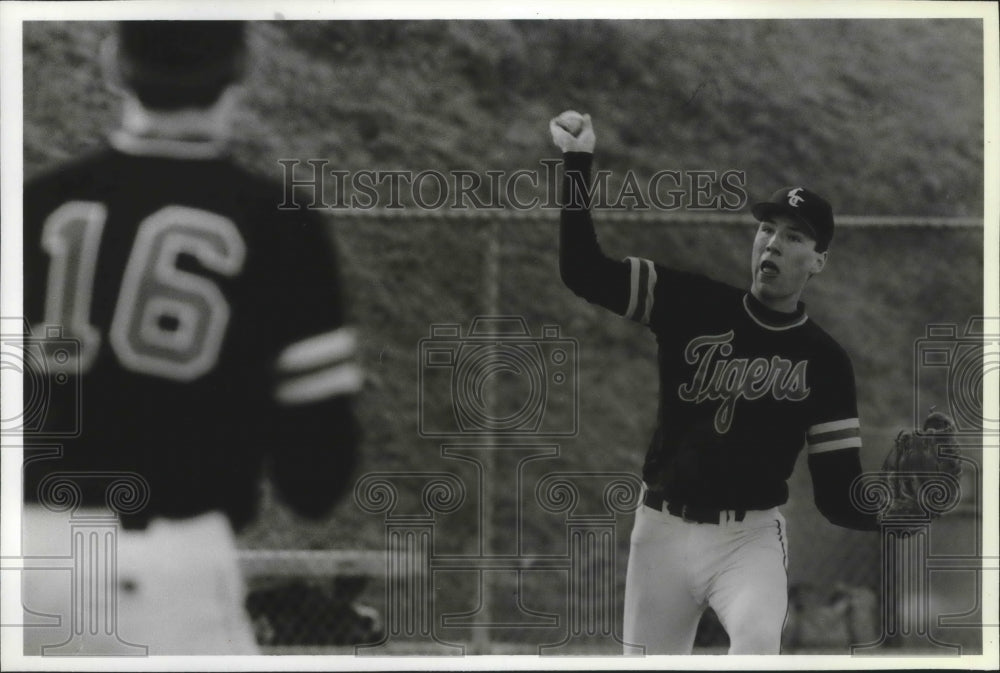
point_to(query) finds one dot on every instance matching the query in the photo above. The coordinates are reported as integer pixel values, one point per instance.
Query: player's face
(784, 257)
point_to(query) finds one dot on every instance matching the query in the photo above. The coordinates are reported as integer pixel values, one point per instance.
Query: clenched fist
(573, 132)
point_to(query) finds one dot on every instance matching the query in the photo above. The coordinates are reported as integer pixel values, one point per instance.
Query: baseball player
(212, 347)
(746, 381)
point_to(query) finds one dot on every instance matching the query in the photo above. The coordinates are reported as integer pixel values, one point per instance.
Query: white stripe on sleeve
(834, 435)
(650, 286)
(340, 379)
(633, 293)
(640, 297)
(316, 351)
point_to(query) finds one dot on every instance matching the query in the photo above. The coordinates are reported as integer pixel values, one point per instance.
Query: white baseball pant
(676, 569)
(175, 589)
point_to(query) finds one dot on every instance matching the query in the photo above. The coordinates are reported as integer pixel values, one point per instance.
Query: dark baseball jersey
(206, 328)
(743, 388)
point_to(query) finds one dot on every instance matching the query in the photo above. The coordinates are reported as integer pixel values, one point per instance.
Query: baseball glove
(917, 458)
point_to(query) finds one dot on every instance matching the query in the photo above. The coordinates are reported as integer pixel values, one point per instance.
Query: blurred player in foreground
(746, 380)
(212, 345)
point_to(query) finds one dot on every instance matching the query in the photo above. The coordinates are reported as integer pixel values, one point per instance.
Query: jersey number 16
(167, 322)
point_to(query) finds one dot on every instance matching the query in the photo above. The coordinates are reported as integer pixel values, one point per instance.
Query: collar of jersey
(771, 319)
(171, 148)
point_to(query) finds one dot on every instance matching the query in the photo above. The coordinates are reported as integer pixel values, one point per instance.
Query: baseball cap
(177, 63)
(808, 207)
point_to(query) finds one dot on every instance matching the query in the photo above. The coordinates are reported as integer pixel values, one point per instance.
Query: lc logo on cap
(808, 207)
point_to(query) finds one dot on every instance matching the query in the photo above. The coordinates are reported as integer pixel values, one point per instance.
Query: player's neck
(789, 305)
(214, 123)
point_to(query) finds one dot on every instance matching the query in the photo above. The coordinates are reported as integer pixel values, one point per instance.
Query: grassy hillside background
(883, 116)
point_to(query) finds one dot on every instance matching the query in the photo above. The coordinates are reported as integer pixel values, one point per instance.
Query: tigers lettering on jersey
(743, 388)
(727, 365)
(719, 377)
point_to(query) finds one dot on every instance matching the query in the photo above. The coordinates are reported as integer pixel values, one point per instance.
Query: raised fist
(573, 132)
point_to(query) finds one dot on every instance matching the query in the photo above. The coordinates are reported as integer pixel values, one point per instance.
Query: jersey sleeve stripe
(319, 350)
(820, 428)
(633, 294)
(836, 445)
(834, 435)
(819, 437)
(642, 282)
(650, 286)
(340, 379)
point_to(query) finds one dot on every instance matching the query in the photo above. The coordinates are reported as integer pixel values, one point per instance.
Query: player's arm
(584, 267)
(315, 375)
(635, 288)
(314, 459)
(833, 473)
(834, 446)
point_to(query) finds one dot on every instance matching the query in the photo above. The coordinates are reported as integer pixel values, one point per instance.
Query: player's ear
(819, 261)
(110, 68)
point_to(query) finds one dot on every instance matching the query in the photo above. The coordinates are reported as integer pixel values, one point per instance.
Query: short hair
(176, 64)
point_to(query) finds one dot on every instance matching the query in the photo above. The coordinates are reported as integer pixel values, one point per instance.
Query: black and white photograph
(438, 336)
